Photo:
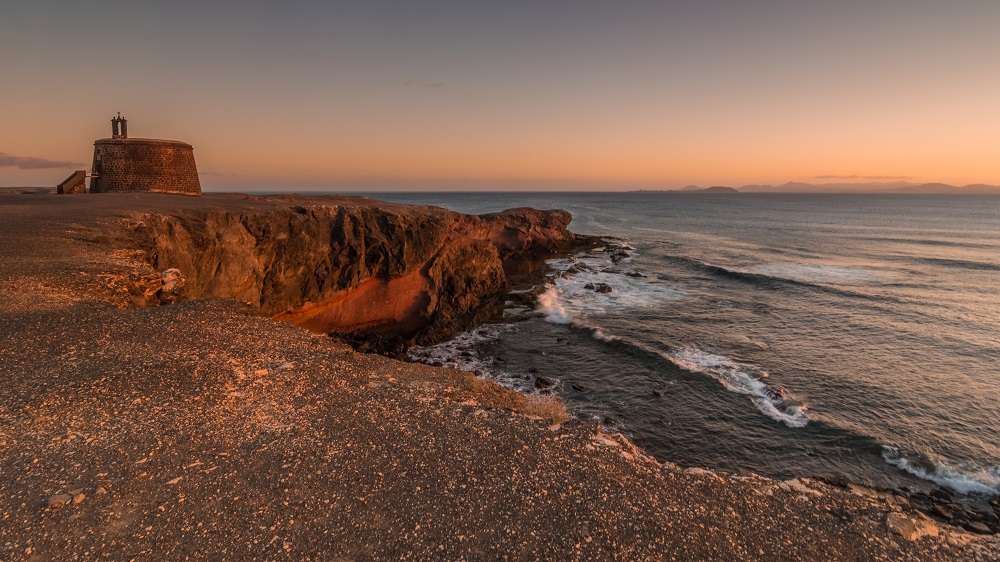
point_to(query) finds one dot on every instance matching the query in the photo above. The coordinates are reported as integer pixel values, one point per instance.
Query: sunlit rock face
(410, 271)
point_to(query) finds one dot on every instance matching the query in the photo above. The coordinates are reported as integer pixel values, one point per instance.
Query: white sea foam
(600, 335)
(963, 479)
(460, 353)
(571, 296)
(553, 310)
(741, 378)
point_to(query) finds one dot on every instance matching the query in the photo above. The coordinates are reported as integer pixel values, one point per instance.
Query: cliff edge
(344, 266)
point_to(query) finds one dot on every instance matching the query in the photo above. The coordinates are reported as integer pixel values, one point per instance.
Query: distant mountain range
(801, 187)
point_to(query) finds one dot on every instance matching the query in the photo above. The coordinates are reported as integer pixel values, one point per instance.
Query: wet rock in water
(603, 288)
(657, 393)
(634, 274)
(542, 383)
(532, 369)
(59, 500)
(589, 286)
(909, 528)
(618, 255)
(777, 392)
(579, 387)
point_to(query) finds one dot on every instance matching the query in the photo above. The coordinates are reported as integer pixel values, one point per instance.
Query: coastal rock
(542, 383)
(862, 491)
(911, 528)
(172, 282)
(59, 500)
(941, 494)
(618, 255)
(978, 527)
(942, 512)
(401, 270)
(797, 485)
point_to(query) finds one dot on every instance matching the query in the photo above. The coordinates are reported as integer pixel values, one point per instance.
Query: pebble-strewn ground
(203, 430)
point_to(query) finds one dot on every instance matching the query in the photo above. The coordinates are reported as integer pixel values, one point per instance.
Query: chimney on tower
(119, 127)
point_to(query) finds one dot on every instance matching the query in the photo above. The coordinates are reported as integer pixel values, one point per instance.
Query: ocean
(854, 338)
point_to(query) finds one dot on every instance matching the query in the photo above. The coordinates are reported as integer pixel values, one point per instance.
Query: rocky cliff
(404, 271)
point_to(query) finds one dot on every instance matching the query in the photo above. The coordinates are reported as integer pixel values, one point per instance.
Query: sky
(576, 95)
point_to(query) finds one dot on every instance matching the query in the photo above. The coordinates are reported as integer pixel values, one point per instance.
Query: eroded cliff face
(412, 272)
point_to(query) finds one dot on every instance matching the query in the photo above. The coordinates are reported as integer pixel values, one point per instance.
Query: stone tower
(122, 164)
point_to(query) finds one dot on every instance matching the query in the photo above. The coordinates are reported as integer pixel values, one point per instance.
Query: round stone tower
(122, 164)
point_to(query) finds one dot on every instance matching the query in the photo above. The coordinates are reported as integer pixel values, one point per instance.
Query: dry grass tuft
(546, 406)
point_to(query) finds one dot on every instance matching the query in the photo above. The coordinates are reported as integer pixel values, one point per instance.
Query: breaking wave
(742, 378)
(571, 298)
(963, 479)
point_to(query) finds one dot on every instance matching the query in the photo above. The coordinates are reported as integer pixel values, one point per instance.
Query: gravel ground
(203, 430)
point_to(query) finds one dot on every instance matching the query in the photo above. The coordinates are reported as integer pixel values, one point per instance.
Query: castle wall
(75, 183)
(144, 165)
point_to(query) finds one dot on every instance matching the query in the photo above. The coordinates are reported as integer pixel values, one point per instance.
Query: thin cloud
(32, 163)
(833, 177)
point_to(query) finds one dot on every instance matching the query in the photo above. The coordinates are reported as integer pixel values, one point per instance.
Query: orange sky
(567, 96)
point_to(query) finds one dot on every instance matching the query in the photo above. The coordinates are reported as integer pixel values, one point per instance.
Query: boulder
(911, 528)
(171, 285)
(59, 500)
(978, 527)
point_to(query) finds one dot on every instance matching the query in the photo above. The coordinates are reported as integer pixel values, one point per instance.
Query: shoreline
(204, 426)
(928, 496)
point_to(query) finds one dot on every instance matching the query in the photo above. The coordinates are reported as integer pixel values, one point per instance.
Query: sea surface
(849, 337)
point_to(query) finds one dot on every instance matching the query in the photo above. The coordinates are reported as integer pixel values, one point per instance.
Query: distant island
(695, 189)
(802, 187)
